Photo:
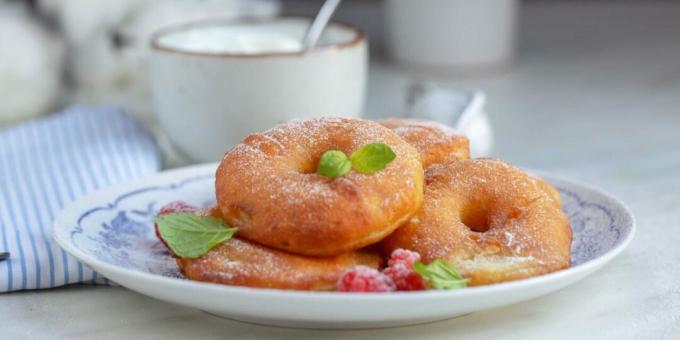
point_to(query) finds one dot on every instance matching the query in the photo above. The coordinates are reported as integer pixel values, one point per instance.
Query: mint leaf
(191, 236)
(372, 157)
(333, 164)
(440, 274)
(368, 159)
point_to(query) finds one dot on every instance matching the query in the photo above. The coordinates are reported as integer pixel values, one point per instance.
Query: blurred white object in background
(31, 60)
(461, 110)
(83, 20)
(109, 42)
(459, 35)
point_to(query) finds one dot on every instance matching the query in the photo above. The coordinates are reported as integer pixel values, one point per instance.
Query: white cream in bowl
(238, 40)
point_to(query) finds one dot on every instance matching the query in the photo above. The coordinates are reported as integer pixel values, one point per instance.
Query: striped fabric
(47, 163)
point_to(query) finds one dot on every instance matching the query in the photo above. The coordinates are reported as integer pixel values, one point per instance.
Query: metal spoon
(319, 24)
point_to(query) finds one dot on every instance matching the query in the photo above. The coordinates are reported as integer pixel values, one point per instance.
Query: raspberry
(176, 207)
(400, 270)
(404, 277)
(403, 255)
(172, 207)
(364, 279)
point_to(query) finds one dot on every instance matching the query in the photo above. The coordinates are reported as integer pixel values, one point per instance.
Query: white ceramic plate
(112, 231)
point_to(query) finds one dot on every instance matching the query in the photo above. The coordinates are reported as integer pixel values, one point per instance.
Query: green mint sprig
(440, 274)
(368, 159)
(190, 236)
(372, 158)
(334, 164)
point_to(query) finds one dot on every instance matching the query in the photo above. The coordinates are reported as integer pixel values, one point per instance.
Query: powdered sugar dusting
(270, 178)
(490, 218)
(406, 126)
(240, 262)
(436, 142)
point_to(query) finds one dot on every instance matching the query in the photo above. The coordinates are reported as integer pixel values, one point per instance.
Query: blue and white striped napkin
(47, 163)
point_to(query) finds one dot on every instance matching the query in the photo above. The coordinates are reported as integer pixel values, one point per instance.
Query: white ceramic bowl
(207, 101)
(112, 231)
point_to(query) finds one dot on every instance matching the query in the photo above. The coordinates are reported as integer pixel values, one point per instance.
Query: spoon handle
(319, 24)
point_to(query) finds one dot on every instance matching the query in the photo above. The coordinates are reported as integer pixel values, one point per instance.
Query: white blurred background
(54, 53)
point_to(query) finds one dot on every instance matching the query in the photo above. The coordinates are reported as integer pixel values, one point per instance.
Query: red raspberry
(400, 270)
(176, 207)
(403, 255)
(404, 277)
(172, 207)
(364, 279)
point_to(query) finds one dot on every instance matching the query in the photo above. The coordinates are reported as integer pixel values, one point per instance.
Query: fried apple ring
(242, 263)
(490, 220)
(436, 143)
(267, 186)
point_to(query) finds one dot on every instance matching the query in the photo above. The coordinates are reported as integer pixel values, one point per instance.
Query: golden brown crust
(242, 263)
(549, 190)
(436, 143)
(490, 220)
(267, 187)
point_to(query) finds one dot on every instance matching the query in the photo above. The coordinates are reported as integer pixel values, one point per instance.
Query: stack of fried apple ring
(299, 230)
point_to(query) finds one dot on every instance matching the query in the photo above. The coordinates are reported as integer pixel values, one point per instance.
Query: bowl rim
(155, 44)
(61, 229)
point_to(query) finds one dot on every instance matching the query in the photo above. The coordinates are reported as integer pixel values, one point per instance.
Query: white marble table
(595, 95)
